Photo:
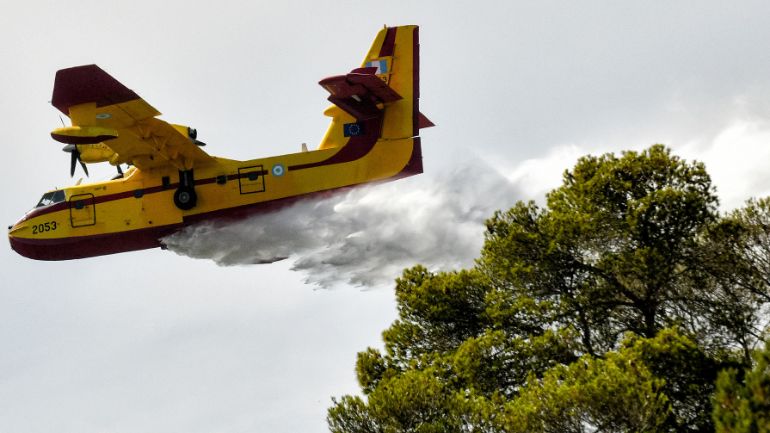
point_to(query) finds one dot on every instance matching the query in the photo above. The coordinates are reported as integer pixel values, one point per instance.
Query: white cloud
(536, 176)
(737, 159)
(736, 156)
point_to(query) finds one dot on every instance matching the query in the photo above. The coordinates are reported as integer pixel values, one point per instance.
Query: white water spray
(365, 236)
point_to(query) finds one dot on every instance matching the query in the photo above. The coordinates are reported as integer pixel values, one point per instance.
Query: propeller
(72, 149)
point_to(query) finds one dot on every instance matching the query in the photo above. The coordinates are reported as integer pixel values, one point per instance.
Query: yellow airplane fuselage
(373, 137)
(134, 212)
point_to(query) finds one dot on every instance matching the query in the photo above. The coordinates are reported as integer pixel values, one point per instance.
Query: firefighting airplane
(172, 182)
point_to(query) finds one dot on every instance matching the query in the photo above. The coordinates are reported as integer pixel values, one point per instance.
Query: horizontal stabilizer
(359, 92)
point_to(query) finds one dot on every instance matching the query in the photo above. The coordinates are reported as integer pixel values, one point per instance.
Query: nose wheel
(185, 197)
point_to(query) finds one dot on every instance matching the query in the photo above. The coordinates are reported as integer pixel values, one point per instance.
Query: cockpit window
(50, 198)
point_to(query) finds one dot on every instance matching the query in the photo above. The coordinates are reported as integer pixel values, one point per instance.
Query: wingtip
(87, 83)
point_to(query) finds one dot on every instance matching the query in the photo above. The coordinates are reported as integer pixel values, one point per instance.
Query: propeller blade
(73, 160)
(83, 164)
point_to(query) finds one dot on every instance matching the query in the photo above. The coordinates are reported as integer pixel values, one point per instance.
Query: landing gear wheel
(185, 198)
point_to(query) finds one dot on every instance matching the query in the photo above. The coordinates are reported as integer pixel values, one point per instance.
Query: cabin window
(50, 198)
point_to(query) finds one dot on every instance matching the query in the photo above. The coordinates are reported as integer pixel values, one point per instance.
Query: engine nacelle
(99, 152)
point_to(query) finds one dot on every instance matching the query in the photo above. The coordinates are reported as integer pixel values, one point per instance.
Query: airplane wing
(104, 110)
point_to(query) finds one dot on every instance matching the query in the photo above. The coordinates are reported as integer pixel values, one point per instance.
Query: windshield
(50, 198)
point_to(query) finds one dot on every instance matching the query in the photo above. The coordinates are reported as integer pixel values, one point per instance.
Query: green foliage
(614, 247)
(742, 401)
(616, 393)
(415, 401)
(351, 414)
(495, 363)
(737, 257)
(371, 368)
(437, 312)
(611, 309)
(688, 373)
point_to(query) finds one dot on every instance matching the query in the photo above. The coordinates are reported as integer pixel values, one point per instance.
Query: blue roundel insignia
(278, 170)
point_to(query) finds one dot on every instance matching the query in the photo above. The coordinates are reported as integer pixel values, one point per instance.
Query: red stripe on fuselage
(79, 247)
(126, 194)
(356, 148)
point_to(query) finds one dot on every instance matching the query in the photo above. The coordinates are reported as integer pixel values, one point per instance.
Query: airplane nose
(16, 244)
(23, 248)
(13, 228)
(12, 240)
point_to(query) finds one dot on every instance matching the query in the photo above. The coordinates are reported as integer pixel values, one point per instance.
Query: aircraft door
(82, 210)
(251, 179)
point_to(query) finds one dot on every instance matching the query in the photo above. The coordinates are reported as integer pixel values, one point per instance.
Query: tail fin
(384, 91)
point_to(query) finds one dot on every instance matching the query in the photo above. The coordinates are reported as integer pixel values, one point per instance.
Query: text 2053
(44, 227)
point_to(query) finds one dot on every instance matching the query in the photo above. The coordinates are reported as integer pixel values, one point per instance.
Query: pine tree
(611, 308)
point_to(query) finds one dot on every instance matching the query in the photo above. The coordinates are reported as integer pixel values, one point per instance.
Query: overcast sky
(156, 342)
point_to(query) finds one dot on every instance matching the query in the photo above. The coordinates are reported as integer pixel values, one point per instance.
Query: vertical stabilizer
(381, 96)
